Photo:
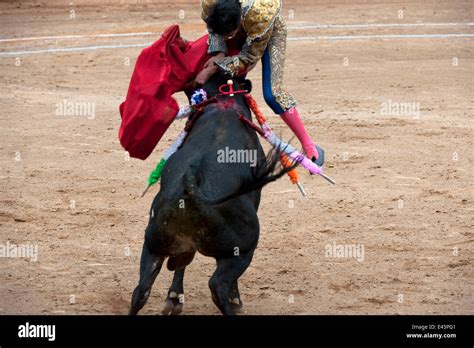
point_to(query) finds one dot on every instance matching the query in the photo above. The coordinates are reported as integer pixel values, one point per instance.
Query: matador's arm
(251, 53)
(258, 19)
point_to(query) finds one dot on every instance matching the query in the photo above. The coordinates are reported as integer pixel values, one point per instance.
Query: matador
(260, 25)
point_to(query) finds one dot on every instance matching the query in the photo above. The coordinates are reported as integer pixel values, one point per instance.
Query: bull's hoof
(237, 305)
(173, 305)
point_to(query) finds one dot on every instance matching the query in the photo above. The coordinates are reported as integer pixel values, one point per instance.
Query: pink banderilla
(292, 153)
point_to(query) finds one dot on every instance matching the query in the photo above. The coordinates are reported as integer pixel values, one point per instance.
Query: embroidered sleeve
(230, 65)
(253, 50)
(249, 56)
(216, 44)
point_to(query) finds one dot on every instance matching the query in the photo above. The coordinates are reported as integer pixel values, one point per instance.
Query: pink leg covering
(293, 120)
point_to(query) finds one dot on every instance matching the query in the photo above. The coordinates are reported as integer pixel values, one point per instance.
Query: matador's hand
(206, 74)
(213, 60)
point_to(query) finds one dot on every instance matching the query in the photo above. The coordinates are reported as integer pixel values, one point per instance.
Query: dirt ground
(405, 189)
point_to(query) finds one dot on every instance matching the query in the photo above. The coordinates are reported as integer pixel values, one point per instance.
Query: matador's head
(224, 18)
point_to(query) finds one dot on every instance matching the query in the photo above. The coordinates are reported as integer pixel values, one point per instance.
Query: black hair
(224, 17)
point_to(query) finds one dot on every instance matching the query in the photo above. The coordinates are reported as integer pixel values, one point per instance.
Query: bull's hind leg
(150, 266)
(175, 299)
(225, 277)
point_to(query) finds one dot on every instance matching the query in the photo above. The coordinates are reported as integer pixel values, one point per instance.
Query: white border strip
(379, 25)
(388, 36)
(302, 38)
(72, 49)
(60, 37)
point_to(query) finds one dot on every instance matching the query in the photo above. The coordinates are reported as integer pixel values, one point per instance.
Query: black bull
(207, 205)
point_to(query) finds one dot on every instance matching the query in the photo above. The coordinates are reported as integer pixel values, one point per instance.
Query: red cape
(160, 71)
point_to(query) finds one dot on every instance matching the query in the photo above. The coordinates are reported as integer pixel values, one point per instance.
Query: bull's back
(183, 220)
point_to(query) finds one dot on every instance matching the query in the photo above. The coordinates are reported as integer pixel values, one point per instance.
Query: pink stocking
(293, 120)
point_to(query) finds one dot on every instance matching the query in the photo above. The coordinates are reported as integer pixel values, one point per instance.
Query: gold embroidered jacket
(258, 20)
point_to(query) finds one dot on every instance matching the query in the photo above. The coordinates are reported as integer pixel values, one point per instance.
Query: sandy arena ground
(404, 191)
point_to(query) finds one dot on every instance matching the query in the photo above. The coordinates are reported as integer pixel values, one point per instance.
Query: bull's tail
(268, 172)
